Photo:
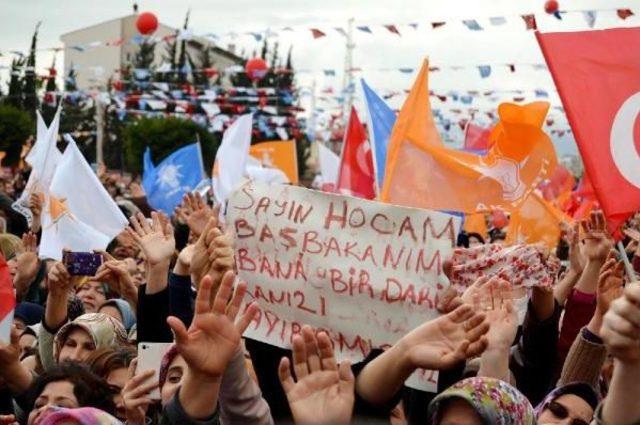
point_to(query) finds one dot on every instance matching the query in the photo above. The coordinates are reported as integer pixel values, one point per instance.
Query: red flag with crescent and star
(356, 176)
(597, 74)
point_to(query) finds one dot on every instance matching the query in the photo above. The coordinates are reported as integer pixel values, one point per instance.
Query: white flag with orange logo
(79, 215)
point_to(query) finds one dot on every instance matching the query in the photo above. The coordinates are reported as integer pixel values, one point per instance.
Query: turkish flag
(7, 301)
(597, 74)
(356, 176)
(476, 138)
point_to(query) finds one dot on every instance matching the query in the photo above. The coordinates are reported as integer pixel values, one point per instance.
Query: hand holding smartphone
(150, 356)
(81, 263)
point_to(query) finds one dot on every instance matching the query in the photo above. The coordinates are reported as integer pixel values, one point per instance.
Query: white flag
(231, 160)
(79, 215)
(43, 157)
(329, 164)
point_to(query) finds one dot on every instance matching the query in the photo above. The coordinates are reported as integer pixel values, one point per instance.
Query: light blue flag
(381, 121)
(166, 183)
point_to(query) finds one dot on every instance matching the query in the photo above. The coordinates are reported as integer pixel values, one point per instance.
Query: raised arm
(621, 333)
(438, 344)
(209, 344)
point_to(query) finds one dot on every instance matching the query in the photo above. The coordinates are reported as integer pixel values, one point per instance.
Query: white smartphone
(150, 356)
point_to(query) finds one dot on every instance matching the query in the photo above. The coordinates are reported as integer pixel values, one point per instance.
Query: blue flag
(381, 121)
(179, 173)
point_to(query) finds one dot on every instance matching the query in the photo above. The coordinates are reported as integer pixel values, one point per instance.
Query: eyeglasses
(561, 412)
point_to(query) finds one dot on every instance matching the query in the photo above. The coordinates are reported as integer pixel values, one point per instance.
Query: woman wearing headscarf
(576, 402)
(120, 310)
(59, 340)
(481, 401)
(77, 339)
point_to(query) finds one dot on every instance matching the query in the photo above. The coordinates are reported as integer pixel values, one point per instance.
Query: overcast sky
(451, 45)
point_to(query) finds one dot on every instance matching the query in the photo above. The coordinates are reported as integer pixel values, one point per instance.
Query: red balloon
(256, 69)
(147, 23)
(551, 6)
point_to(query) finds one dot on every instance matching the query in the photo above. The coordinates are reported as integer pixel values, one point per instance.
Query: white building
(94, 61)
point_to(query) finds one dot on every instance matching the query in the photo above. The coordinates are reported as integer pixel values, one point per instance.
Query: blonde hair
(10, 245)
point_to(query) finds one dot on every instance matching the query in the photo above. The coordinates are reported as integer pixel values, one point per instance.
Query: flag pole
(628, 268)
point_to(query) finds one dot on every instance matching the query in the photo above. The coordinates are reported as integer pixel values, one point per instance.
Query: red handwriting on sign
(316, 304)
(294, 211)
(419, 230)
(274, 268)
(418, 260)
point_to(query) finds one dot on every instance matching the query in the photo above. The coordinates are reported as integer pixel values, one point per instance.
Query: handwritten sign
(364, 271)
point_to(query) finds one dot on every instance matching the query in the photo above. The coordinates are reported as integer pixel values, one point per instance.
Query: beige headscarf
(104, 330)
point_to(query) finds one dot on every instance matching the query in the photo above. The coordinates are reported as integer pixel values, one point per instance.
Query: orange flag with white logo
(536, 221)
(422, 173)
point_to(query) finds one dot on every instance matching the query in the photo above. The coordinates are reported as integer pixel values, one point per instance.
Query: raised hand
(323, 392)
(610, 283)
(35, 204)
(197, 213)
(27, 264)
(155, 239)
(597, 243)
(447, 340)
(493, 298)
(621, 326)
(17, 378)
(135, 395)
(213, 337)
(61, 283)
(576, 259)
(116, 274)
(475, 289)
(212, 254)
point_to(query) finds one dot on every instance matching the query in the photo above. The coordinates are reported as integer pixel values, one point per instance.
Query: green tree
(14, 96)
(144, 56)
(164, 136)
(30, 101)
(16, 126)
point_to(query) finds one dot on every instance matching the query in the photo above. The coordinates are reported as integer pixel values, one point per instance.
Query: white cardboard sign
(364, 271)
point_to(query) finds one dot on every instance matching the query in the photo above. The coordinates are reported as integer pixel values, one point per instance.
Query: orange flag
(279, 154)
(476, 223)
(422, 173)
(536, 221)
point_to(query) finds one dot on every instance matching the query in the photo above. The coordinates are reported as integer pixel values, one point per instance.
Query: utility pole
(347, 78)
(100, 111)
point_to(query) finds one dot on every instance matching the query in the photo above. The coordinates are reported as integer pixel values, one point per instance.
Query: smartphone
(150, 356)
(81, 263)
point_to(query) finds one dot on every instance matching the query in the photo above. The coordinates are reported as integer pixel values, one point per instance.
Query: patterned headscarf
(168, 357)
(81, 416)
(104, 330)
(495, 401)
(579, 389)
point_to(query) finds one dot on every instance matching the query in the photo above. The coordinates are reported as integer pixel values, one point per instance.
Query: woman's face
(26, 340)
(77, 346)
(568, 406)
(473, 241)
(117, 378)
(55, 394)
(459, 412)
(174, 379)
(112, 310)
(92, 296)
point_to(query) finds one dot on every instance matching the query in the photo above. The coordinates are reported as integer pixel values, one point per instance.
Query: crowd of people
(72, 357)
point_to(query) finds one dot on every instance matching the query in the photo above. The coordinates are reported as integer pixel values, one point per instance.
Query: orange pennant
(422, 173)
(536, 221)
